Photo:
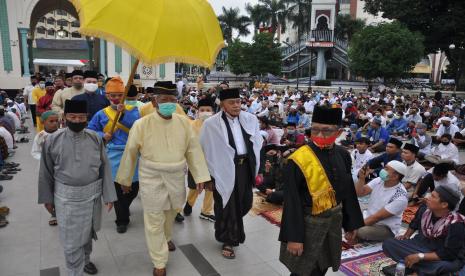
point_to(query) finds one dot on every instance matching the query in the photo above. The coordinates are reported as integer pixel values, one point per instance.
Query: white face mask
(90, 87)
(205, 115)
(42, 85)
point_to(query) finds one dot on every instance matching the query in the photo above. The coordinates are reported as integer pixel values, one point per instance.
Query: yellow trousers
(40, 125)
(207, 207)
(158, 229)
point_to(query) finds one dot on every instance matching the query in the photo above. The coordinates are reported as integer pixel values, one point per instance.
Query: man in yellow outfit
(205, 111)
(165, 142)
(37, 93)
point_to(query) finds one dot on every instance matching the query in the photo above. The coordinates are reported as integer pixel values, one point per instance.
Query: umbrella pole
(128, 85)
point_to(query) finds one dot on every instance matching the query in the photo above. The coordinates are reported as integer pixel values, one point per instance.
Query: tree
(440, 22)
(231, 20)
(299, 13)
(237, 52)
(275, 12)
(263, 56)
(346, 26)
(388, 50)
(256, 15)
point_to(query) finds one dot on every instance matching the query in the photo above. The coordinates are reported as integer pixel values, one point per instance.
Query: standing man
(231, 139)
(319, 200)
(116, 142)
(205, 107)
(74, 175)
(27, 93)
(165, 141)
(58, 103)
(95, 102)
(38, 93)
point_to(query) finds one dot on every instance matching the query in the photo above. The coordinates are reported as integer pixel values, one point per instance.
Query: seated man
(446, 127)
(378, 136)
(422, 140)
(398, 125)
(360, 156)
(272, 184)
(388, 200)
(414, 169)
(438, 248)
(446, 150)
(392, 153)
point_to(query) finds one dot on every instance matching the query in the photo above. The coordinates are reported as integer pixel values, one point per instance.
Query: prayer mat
(409, 214)
(260, 205)
(371, 265)
(273, 216)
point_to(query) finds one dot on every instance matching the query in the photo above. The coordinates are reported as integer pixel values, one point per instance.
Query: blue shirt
(397, 125)
(304, 120)
(383, 134)
(293, 118)
(94, 101)
(381, 160)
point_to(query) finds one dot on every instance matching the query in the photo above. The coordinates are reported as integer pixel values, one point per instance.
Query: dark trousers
(123, 203)
(32, 107)
(316, 272)
(229, 227)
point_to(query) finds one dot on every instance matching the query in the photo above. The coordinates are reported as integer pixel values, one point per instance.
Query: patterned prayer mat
(372, 265)
(260, 205)
(409, 213)
(273, 216)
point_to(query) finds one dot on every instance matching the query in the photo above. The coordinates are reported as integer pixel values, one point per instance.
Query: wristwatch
(421, 256)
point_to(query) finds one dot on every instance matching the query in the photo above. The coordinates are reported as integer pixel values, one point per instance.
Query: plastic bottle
(400, 269)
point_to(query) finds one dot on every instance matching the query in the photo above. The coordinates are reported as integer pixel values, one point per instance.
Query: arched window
(51, 21)
(75, 35)
(322, 23)
(62, 22)
(41, 30)
(62, 12)
(75, 24)
(51, 32)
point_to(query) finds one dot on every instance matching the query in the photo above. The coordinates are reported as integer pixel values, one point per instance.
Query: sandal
(52, 221)
(5, 177)
(228, 252)
(171, 246)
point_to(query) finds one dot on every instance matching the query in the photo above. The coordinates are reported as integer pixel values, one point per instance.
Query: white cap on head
(398, 166)
(426, 114)
(445, 118)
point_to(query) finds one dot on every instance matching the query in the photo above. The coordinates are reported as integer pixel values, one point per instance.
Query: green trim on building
(118, 59)
(162, 71)
(5, 37)
(133, 60)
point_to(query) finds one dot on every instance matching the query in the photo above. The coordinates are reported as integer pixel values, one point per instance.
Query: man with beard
(74, 175)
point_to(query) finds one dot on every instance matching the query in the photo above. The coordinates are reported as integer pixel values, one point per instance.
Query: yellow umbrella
(155, 31)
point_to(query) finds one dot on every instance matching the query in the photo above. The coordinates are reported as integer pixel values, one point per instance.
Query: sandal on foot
(171, 246)
(159, 272)
(5, 177)
(228, 252)
(52, 221)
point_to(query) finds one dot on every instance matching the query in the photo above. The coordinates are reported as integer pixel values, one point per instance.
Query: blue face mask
(383, 174)
(131, 102)
(167, 109)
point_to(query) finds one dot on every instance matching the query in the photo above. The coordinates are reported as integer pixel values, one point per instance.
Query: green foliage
(388, 50)
(231, 20)
(346, 26)
(299, 14)
(261, 57)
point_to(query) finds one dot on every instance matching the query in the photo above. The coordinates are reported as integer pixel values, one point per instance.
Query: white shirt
(449, 152)
(414, 172)
(309, 106)
(27, 92)
(392, 199)
(452, 130)
(237, 135)
(263, 112)
(7, 136)
(360, 159)
(426, 150)
(37, 144)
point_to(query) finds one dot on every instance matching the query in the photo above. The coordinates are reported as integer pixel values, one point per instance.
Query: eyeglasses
(324, 131)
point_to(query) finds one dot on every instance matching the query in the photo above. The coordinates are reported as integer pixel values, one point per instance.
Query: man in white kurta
(165, 142)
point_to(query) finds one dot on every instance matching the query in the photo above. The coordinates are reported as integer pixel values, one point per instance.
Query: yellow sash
(319, 187)
(111, 114)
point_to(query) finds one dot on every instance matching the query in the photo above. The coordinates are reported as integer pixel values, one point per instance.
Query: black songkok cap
(448, 195)
(77, 73)
(48, 83)
(205, 102)
(68, 75)
(396, 142)
(132, 91)
(74, 106)
(327, 116)
(412, 148)
(90, 74)
(165, 88)
(149, 90)
(230, 93)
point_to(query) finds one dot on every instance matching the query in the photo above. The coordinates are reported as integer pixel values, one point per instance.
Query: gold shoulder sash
(319, 187)
(111, 114)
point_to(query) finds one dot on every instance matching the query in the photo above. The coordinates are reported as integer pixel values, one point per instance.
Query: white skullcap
(398, 166)
(426, 114)
(445, 118)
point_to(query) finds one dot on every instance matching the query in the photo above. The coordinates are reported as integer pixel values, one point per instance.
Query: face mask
(90, 87)
(116, 101)
(167, 109)
(42, 85)
(445, 143)
(76, 127)
(383, 174)
(324, 142)
(130, 102)
(291, 131)
(77, 86)
(205, 115)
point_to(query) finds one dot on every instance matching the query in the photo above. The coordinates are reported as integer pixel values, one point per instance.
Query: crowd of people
(317, 153)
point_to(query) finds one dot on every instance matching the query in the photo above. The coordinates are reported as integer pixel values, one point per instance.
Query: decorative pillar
(103, 56)
(5, 37)
(320, 64)
(118, 60)
(24, 51)
(162, 71)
